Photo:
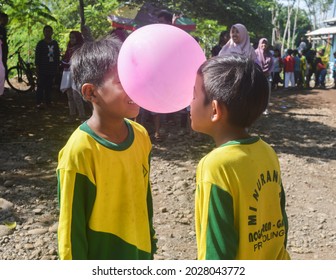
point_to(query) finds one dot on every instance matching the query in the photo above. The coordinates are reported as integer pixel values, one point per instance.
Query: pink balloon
(157, 67)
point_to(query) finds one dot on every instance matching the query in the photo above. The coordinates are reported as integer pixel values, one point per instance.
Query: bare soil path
(301, 127)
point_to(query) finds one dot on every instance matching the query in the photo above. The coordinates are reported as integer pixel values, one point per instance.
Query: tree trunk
(285, 31)
(81, 13)
(295, 21)
(275, 14)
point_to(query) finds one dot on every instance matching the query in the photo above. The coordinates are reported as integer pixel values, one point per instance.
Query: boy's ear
(88, 91)
(217, 111)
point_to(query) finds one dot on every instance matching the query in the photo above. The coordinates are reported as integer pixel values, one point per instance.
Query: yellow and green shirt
(240, 203)
(105, 198)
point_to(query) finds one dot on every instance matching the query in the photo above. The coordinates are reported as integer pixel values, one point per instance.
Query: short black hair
(48, 27)
(222, 35)
(3, 15)
(91, 62)
(238, 83)
(168, 16)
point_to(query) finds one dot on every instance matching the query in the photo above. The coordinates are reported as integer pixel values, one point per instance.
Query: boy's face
(113, 100)
(200, 114)
(48, 32)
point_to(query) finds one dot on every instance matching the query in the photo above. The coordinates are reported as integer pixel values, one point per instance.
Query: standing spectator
(265, 57)
(2, 73)
(303, 67)
(324, 53)
(120, 33)
(303, 44)
(334, 69)
(265, 60)
(310, 56)
(277, 68)
(239, 187)
(239, 43)
(289, 64)
(224, 37)
(164, 17)
(47, 59)
(320, 73)
(75, 100)
(3, 38)
(297, 68)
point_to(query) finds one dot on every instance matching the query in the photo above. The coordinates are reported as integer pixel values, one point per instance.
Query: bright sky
(304, 6)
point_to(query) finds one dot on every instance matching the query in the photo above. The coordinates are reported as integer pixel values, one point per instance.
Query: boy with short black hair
(240, 200)
(47, 60)
(105, 198)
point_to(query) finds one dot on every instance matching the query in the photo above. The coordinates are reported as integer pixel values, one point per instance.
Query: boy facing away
(240, 200)
(103, 170)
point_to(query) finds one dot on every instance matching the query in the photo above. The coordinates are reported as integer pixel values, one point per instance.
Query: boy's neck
(114, 131)
(230, 134)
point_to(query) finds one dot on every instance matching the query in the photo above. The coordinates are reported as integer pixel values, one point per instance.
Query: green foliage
(27, 18)
(96, 16)
(303, 24)
(26, 21)
(208, 32)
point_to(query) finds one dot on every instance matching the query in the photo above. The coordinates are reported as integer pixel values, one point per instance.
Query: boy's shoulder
(137, 126)
(235, 147)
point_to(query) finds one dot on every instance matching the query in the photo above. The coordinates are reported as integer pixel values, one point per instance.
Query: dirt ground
(301, 127)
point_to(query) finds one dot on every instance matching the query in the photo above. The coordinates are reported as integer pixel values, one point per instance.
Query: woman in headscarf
(264, 57)
(239, 43)
(265, 60)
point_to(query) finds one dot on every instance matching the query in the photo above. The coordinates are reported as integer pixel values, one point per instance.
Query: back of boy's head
(237, 83)
(167, 16)
(91, 62)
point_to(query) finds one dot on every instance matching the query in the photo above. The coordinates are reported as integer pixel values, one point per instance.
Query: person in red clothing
(289, 64)
(320, 73)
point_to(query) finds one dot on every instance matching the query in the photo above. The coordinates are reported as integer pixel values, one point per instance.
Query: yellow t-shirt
(105, 197)
(240, 203)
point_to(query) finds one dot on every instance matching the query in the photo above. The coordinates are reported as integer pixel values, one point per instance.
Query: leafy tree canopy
(27, 18)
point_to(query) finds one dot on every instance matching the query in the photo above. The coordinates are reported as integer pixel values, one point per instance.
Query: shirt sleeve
(76, 197)
(218, 238)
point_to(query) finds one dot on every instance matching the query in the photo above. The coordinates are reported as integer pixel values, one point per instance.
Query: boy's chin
(133, 114)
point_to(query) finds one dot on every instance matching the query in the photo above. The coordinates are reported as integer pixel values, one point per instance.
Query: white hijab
(243, 48)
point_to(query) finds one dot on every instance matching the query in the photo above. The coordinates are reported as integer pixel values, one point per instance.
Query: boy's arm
(150, 208)
(218, 238)
(283, 210)
(76, 195)
(150, 218)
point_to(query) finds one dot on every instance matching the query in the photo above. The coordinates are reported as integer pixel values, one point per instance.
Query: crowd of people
(300, 66)
(295, 68)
